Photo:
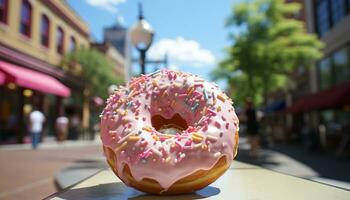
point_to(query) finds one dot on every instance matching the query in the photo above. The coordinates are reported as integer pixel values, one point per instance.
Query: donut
(169, 132)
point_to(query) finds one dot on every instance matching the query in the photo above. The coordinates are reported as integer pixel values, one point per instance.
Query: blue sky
(191, 31)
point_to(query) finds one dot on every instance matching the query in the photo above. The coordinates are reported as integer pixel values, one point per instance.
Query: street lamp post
(141, 35)
(143, 60)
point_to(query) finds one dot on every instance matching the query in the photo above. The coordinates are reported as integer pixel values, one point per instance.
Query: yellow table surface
(242, 181)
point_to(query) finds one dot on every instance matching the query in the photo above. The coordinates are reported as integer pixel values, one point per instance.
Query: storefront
(21, 89)
(331, 111)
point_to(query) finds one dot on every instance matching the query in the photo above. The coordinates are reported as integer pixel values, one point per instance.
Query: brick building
(34, 36)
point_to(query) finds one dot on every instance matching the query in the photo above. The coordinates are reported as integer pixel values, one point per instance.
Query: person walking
(61, 128)
(252, 128)
(36, 122)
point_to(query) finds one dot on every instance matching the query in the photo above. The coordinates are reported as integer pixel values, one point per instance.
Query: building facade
(45, 30)
(118, 37)
(34, 37)
(325, 106)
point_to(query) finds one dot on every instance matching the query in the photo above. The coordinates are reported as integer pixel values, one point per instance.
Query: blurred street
(29, 174)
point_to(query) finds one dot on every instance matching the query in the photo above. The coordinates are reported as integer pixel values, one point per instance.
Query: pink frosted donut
(169, 132)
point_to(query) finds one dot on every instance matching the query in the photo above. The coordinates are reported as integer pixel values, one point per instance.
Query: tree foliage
(267, 45)
(95, 69)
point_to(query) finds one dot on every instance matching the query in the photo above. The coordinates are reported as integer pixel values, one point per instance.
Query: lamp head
(141, 34)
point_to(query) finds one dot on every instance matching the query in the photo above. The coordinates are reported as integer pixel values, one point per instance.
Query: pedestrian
(252, 128)
(36, 122)
(61, 128)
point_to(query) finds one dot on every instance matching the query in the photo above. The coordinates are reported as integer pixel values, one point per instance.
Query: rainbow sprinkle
(120, 147)
(221, 98)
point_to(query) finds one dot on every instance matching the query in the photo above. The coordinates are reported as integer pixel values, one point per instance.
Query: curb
(78, 171)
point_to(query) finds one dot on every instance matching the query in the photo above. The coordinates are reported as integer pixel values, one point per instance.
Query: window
(325, 73)
(3, 11)
(341, 65)
(26, 18)
(338, 10)
(45, 31)
(59, 40)
(72, 44)
(322, 17)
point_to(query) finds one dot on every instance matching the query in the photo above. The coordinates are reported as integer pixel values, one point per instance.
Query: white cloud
(121, 20)
(109, 5)
(182, 52)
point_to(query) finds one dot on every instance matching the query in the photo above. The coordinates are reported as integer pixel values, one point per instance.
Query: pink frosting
(126, 126)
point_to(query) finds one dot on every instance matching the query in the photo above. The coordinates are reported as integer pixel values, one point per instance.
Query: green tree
(267, 45)
(95, 70)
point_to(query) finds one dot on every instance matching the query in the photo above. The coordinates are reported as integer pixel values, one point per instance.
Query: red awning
(27, 78)
(335, 96)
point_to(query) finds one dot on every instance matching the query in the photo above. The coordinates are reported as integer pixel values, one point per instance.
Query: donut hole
(174, 125)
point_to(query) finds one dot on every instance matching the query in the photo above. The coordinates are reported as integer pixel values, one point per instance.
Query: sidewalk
(299, 162)
(30, 174)
(79, 170)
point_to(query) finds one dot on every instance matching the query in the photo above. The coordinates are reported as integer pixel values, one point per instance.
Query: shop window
(338, 10)
(343, 117)
(341, 65)
(72, 44)
(3, 11)
(322, 17)
(60, 40)
(26, 18)
(45, 31)
(325, 73)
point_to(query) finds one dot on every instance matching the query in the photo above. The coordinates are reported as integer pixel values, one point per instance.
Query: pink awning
(27, 78)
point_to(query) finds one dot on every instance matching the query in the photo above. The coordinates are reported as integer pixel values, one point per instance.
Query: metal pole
(20, 129)
(143, 61)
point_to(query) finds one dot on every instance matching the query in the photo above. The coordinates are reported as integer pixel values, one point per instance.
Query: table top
(242, 181)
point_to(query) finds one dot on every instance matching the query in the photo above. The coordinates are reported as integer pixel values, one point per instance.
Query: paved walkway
(299, 162)
(29, 174)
